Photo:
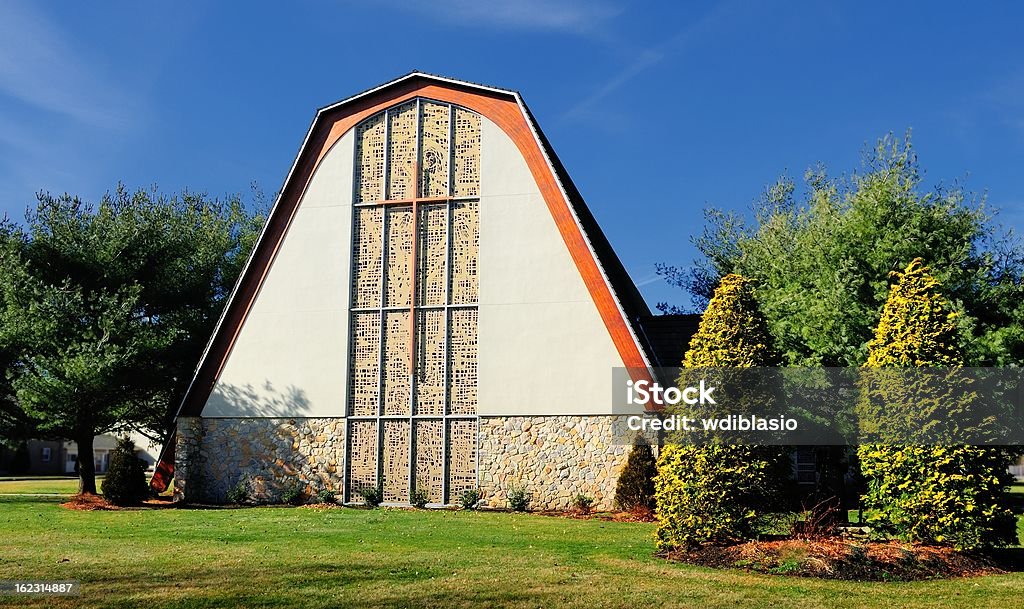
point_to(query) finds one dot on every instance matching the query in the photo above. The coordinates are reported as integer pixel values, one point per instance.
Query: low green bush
(582, 504)
(372, 495)
(420, 498)
(518, 498)
(327, 496)
(239, 493)
(294, 493)
(125, 482)
(469, 499)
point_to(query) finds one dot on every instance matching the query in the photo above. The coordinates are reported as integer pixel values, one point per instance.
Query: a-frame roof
(621, 306)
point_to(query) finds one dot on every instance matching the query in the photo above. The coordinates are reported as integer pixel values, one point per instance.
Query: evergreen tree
(714, 492)
(125, 483)
(105, 309)
(635, 488)
(934, 493)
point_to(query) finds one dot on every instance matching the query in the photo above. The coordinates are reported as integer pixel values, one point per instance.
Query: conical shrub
(929, 493)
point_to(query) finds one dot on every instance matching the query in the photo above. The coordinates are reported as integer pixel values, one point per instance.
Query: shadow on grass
(1008, 559)
(348, 584)
(33, 498)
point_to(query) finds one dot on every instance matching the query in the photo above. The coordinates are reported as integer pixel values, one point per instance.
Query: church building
(430, 306)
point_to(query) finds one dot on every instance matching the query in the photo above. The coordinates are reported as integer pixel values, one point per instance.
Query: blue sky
(656, 110)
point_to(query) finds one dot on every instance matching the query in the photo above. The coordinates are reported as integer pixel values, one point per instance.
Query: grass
(46, 486)
(288, 557)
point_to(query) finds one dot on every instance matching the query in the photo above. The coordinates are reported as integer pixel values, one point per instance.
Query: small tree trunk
(86, 463)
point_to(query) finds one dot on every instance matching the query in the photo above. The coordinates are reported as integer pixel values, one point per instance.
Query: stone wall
(270, 454)
(187, 467)
(554, 458)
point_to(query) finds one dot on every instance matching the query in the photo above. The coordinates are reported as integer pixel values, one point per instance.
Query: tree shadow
(263, 440)
(264, 401)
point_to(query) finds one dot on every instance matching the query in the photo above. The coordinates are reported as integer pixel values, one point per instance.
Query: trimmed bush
(707, 494)
(732, 332)
(635, 487)
(518, 498)
(714, 493)
(949, 495)
(939, 494)
(327, 496)
(469, 499)
(372, 495)
(125, 482)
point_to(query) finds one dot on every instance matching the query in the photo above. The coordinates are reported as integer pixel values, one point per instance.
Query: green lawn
(46, 486)
(288, 557)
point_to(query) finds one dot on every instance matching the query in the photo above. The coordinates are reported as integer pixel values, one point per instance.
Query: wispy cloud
(998, 105)
(651, 56)
(41, 69)
(579, 16)
(649, 279)
(63, 111)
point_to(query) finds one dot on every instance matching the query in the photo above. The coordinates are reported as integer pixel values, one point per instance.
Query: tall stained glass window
(412, 395)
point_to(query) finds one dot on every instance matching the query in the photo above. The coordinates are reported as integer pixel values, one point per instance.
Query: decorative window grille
(412, 395)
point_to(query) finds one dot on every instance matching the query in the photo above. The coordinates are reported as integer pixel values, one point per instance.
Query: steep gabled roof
(618, 301)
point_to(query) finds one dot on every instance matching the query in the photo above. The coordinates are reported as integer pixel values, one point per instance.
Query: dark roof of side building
(668, 336)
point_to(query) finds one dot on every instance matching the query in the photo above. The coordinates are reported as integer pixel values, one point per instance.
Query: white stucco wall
(543, 348)
(291, 356)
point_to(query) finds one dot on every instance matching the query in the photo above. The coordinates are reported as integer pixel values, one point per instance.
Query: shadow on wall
(263, 438)
(229, 400)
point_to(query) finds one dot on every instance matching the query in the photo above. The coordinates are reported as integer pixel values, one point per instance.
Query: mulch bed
(637, 515)
(93, 503)
(836, 558)
(88, 503)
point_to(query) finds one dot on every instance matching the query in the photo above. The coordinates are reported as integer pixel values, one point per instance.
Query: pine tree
(930, 493)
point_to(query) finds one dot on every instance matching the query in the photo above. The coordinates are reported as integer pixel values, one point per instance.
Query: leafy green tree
(714, 492)
(105, 309)
(949, 494)
(821, 259)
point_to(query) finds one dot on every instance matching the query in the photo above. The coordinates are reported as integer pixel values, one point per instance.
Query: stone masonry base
(554, 458)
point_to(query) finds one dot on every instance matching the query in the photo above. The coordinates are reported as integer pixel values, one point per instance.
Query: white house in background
(58, 457)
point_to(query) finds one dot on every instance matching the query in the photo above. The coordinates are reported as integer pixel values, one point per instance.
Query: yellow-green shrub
(707, 494)
(952, 495)
(715, 492)
(732, 332)
(947, 494)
